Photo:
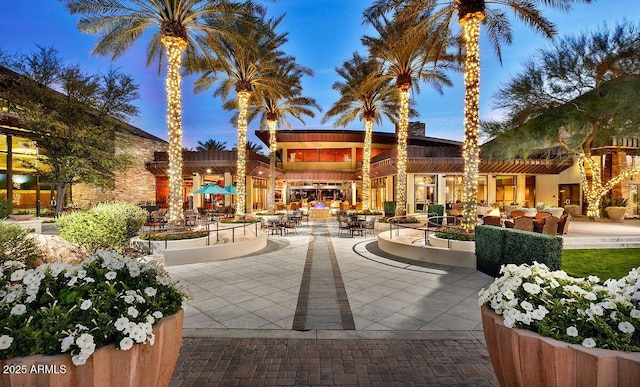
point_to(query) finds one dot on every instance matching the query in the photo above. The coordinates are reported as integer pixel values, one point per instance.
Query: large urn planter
(616, 214)
(525, 358)
(142, 365)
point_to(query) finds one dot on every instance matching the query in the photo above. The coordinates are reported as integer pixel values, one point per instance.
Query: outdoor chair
(490, 220)
(290, 225)
(516, 213)
(547, 225)
(343, 225)
(563, 224)
(542, 215)
(370, 226)
(523, 223)
(509, 224)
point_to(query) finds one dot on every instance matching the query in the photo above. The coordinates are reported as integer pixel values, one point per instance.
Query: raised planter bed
(452, 244)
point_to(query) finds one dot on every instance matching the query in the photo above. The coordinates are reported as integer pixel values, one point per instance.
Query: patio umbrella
(213, 189)
(230, 190)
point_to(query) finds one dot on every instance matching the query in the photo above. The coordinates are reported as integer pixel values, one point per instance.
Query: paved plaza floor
(319, 309)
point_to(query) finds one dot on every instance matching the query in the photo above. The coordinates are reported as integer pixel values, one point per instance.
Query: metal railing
(434, 223)
(148, 248)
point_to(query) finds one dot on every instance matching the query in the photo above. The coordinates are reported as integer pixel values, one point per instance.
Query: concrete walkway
(315, 308)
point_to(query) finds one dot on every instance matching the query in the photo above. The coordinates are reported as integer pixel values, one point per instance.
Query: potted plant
(85, 321)
(546, 326)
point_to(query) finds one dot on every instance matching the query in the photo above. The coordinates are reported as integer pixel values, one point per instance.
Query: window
(319, 155)
(506, 189)
(454, 187)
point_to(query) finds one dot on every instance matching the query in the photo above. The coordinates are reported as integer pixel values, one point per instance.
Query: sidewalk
(413, 324)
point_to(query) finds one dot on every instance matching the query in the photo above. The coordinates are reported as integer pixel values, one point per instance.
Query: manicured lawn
(605, 263)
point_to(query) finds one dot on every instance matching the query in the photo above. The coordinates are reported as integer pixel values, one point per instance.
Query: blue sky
(322, 35)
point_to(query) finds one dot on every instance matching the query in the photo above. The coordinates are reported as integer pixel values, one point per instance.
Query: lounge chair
(492, 221)
(563, 224)
(547, 225)
(523, 223)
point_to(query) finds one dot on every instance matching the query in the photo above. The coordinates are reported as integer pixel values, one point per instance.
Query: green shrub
(105, 226)
(4, 208)
(505, 245)
(438, 210)
(455, 234)
(389, 208)
(17, 245)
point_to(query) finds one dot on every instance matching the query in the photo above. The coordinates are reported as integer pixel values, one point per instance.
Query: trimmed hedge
(106, 226)
(506, 245)
(4, 208)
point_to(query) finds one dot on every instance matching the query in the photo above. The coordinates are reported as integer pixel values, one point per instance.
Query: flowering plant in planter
(61, 308)
(573, 310)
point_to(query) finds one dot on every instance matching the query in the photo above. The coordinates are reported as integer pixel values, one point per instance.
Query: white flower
(5, 341)
(635, 313)
(121, 323)
(509, 294)
(150, 319)
(572, 331)
(85, 341)
(526, 305)
(86, 304)
(149, 291)
(626, 327)
(66, 343)
(590, 296)
(157, 314)
(593, 278)
(589, 342)
(72, 282)
(18, 310)
(531, 288)
(608, 305)
(538, 314)
(133, 312)
(111, 275)
(18, 275)
(126, 344)
(82, 273)
(129, 299)
(79, 359)
(596, 309)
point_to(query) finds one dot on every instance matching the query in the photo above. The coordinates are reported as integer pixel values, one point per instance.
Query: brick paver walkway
(344, 362)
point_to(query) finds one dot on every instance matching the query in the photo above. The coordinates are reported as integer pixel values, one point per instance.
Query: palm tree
(247, 63)
(211, 144)
(365, 94)
(407, 58)
(274, 108)
(182, 25)
(438, 16)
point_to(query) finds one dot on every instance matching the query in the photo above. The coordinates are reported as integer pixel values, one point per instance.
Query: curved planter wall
(159, 246)
(142, 365)
(524, 358)
(451, 244)
(399, 246)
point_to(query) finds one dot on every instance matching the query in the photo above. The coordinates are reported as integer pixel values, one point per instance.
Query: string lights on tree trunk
(243, 101)
(174, 47)
(403, 124)
(366, 166)
(272, 165)
(471, 152)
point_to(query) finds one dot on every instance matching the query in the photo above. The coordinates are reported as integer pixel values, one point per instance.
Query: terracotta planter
(142, 365)
(524, 358)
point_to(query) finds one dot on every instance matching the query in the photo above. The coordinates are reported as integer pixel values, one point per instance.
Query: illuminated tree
(182, 26)
(408, 54)
(581, 94)
(246, 63)
(438, 16)
(365, 94)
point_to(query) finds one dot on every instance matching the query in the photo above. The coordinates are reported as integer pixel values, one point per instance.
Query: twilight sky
(322, 35)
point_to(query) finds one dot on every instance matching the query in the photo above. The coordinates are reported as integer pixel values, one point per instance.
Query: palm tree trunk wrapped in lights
(174, 47)
(471, 152)
(366, 164)
(403, 125)
(272, 165)
(243, 101)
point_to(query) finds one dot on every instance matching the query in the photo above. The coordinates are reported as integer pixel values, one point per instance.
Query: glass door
(425, 195)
